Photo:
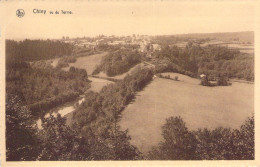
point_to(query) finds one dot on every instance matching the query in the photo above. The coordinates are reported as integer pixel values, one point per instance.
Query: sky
(157, 17)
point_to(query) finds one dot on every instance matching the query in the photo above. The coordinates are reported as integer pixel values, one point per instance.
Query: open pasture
(199, 106)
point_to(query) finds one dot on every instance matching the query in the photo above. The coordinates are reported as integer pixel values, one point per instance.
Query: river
(88, 63)
(96, 85)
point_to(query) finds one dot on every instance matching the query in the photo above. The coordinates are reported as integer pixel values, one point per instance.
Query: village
(148, 46)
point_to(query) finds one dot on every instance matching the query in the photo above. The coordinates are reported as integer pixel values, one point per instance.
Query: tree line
(58, 142)
(98, 109)
(43, 89)
(64, 61)
(94, 133)
(31, 50)
(194, 60)
(119, 61)
(179, 143)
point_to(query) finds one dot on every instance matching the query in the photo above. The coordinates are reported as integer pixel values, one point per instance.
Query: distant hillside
(246, 36)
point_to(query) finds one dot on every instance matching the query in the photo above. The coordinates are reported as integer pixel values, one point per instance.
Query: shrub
(205, 82)
(218, 144)
(222, 81)
(178, 144)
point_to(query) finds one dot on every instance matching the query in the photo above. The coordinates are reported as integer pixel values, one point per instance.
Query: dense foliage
(58, 142)
(30, 50)
(179, 143)
(204, 144)
(32, 89)
(55, 141)
(43, 89)
(99, 114)
(64, 61)
(21, 133)
(112, 98)
(212, 60)
(119, 61)
(61, 143)
(220, 81)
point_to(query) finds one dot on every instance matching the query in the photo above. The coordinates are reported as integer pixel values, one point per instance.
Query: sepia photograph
(128, 81)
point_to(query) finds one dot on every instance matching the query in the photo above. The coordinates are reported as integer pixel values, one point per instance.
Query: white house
(202, 75)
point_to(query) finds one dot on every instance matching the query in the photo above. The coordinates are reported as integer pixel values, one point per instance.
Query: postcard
(129, 83)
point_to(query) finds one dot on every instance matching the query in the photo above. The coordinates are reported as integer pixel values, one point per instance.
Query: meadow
(88, 63)
(199, 106)
(121, 76)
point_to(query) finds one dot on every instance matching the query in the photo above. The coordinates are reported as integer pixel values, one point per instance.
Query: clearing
(199, 106)
(88, 63)
(121, 76)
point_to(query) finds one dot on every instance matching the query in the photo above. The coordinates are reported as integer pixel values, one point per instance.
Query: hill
(245, 36)
(199, 106)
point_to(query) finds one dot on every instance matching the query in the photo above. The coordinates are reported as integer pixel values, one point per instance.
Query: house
(202, 75)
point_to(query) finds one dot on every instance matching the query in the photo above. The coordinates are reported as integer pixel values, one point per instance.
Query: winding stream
(96, 85)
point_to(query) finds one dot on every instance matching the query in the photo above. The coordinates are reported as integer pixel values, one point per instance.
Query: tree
(178, 144)
(119, 61)
(113, 144)
(55, 91)
(245, 140)
(204, 81)
(217, 144)
(21, 132)
(59, 142)
(222, 81)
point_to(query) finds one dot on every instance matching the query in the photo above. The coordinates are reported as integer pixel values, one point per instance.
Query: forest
(31, 50)
(100, 108)
(94, 134)
(179, 143)
(194, 60)
(34, 88)
(43, 89)
(119, 61)
(40, 86)
(108, 142)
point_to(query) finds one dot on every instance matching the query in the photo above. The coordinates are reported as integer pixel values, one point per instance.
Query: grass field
(97, 84)
(199, 106)
(88, 63)
(121, 76)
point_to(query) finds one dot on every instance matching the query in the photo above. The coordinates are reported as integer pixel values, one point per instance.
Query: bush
(205, 82)
(64, 62)
(219, 144)
(222, 81)
(178, 144)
